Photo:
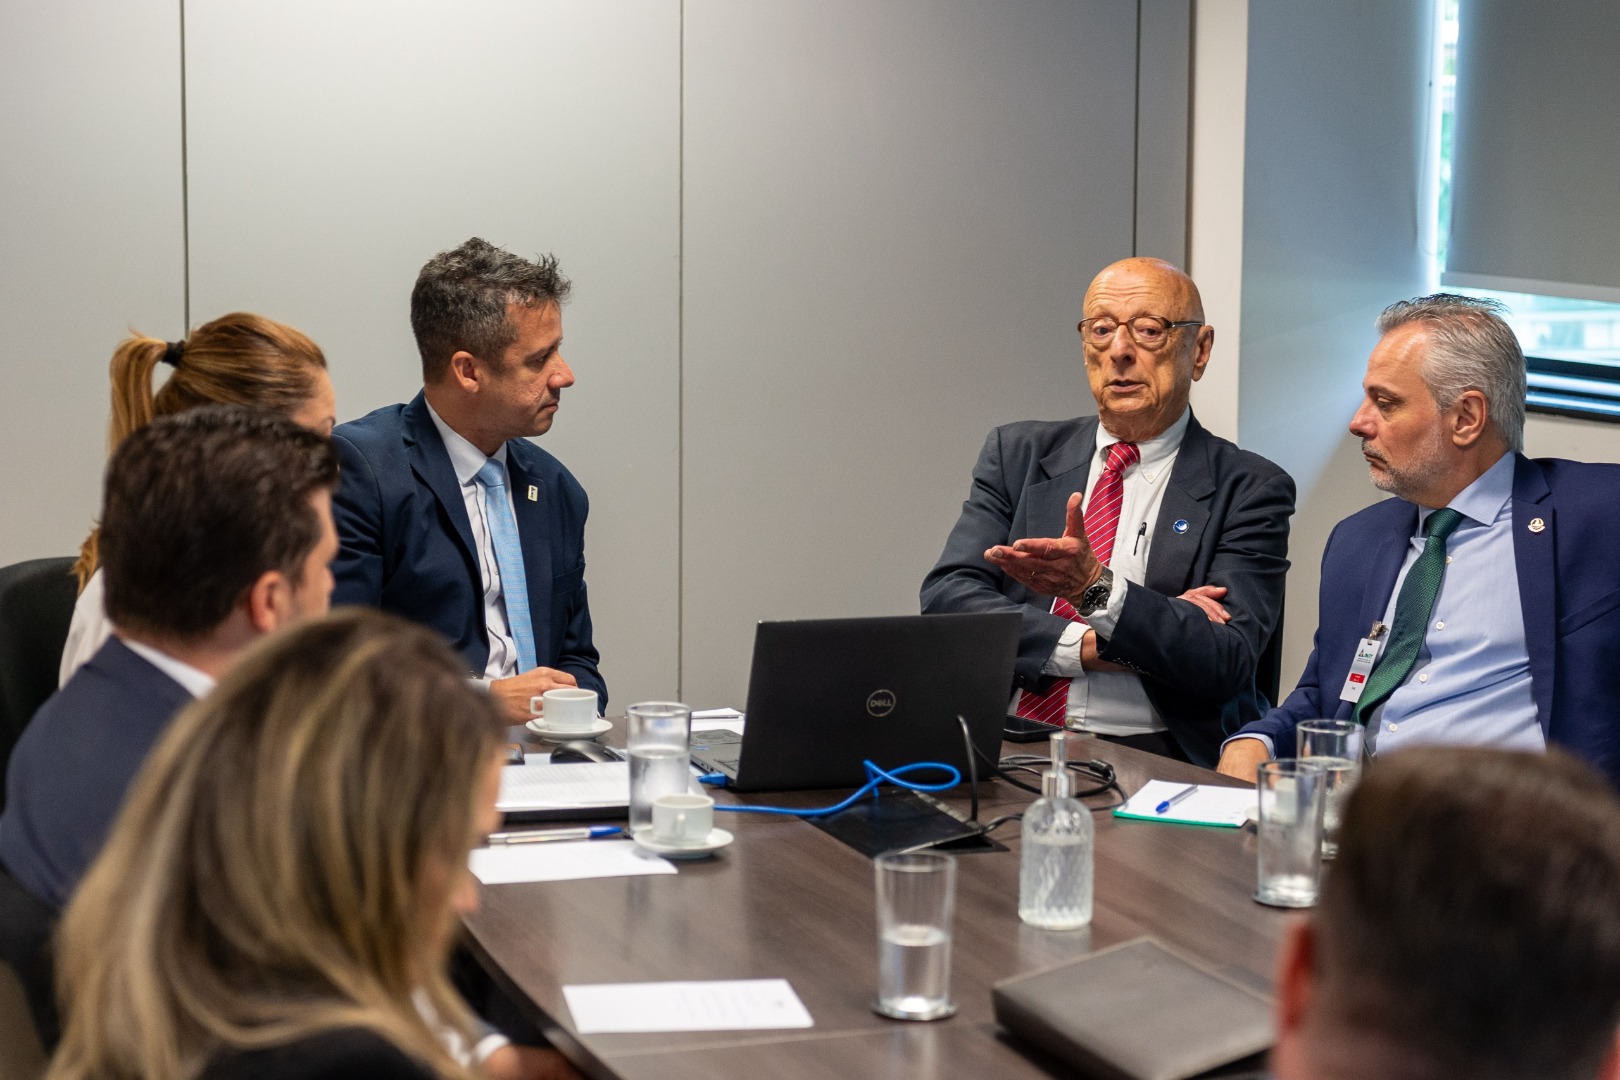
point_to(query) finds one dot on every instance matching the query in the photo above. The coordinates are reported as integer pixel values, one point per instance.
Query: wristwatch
(1096, 594)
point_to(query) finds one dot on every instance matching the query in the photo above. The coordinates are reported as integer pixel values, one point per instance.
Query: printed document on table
(744, 1004)
(577, 784)
(717, 720)
(1226, 807)
(563, 860)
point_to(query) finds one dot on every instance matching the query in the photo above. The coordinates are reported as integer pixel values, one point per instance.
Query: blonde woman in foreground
(280, 893)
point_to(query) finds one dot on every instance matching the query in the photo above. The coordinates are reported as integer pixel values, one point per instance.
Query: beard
(1412, 479)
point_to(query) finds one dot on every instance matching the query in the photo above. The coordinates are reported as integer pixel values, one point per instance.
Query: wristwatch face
(1097, 595)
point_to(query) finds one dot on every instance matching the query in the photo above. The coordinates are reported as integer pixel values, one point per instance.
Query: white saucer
(598, 728)
(717, 839)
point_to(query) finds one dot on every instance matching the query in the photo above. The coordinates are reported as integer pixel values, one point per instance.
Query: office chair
(36, 608)
(29, 1025)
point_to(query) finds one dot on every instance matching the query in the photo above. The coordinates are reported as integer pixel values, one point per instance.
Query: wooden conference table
(787, 900)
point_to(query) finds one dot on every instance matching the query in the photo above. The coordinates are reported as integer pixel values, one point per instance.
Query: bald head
(1142, 373)
(1163, 280)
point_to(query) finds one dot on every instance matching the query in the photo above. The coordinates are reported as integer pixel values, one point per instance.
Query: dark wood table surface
(787, 900)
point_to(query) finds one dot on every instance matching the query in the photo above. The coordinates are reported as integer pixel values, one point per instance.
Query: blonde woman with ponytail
(279, 895)
(238, 359)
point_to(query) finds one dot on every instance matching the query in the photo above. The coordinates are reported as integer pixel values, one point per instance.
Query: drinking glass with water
(1289, 863)
(916, 898)
(1335, 746)
(658, 738)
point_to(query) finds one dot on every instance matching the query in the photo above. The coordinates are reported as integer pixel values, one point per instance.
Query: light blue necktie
(503, 534)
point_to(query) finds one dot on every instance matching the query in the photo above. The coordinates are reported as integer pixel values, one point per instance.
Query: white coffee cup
(566, 708)
(682, 819)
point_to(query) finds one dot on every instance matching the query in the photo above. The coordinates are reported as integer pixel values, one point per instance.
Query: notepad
(724, 1005)
(1223, 807)
(568, 860)
(590, 785)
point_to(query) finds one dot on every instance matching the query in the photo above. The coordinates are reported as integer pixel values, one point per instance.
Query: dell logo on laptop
(880, 702)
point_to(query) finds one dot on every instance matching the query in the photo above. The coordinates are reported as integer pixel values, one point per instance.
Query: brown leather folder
(1137, 1011)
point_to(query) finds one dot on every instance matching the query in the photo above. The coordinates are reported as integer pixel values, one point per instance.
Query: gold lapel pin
(1536, 524)
(534, 496)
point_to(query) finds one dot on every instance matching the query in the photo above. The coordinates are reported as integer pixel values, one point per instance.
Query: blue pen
(1172, 800)
(594, 832)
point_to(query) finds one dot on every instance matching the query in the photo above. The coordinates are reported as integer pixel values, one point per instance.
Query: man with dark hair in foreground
(448, 514)
(1470, 927)
(216, 529)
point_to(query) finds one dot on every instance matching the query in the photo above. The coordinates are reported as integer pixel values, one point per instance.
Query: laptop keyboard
(717, 751)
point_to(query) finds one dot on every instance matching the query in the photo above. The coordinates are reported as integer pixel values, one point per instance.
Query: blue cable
(874, 778)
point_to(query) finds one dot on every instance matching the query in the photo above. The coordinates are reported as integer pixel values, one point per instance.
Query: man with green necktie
(1480, 605)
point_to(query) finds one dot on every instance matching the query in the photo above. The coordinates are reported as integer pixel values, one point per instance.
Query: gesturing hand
(1064, 566)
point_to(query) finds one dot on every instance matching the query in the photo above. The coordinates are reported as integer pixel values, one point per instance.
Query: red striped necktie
(1102, 523)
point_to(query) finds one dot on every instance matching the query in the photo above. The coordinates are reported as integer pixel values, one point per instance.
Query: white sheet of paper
(740, 1005)
(717, 720)
(1228, 805)
(564, 860)
(532, 786)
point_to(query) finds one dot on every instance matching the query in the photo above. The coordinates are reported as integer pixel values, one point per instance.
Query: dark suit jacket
(341, 1054)
(1199, 676)
(407, 546)
(1569, 592)
(68, 775)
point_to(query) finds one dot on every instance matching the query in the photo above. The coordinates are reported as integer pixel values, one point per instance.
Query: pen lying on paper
(595, 832)
(1172, 800)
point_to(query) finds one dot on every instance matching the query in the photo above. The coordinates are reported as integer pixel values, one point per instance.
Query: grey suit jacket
(1199, 675)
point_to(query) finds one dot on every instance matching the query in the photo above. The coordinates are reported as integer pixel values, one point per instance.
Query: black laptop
(827, 694)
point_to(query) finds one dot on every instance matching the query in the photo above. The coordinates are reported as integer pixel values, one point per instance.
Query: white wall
(875, 220)
(331, 153)
(891, 212)
(90, 242)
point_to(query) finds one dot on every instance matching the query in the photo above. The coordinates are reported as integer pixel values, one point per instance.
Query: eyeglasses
(1148, 331)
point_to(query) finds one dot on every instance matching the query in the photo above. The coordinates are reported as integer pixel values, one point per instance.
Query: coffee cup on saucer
(566, 708)
(682, 820)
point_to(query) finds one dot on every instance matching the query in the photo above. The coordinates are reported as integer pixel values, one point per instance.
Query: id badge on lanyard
(1366, 656)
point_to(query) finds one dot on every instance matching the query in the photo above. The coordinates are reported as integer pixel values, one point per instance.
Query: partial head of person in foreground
(237, 359)
(1443, 397)
(289, 861)
(1469, 927)
(214, 514)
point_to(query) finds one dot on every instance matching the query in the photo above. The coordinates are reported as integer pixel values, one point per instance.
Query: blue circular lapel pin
(1180, 526)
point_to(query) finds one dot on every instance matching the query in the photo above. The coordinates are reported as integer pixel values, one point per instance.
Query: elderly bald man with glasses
(1146, 555)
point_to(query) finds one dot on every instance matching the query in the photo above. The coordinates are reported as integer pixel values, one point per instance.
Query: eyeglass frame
(1131, 330)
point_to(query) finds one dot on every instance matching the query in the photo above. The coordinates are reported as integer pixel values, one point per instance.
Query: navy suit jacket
(1569, 593)
(1200, 676)
(76, 758)
(407, 546)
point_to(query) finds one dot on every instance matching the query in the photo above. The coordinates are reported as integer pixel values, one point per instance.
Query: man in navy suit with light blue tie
(447, 514)
(1484, 600)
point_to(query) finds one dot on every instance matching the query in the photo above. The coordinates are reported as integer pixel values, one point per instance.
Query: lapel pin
(1180, 526)
(1536, 525)
(534, 494)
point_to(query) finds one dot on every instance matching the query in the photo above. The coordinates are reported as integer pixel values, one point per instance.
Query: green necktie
(1412, 610)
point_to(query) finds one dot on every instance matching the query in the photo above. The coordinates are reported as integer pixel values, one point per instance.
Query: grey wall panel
(1333, 148)
(90, 242)
(891, 211)
(333, 150)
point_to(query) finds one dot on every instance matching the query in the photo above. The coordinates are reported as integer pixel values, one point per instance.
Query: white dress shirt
(466, 459)
(89, 630)
(1107, 702)
(196, 683)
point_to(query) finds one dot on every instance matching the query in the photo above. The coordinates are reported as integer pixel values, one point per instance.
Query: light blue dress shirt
(1471, 683)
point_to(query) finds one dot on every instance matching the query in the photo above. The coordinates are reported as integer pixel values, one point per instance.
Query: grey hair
(461, 296)
(1471, 347)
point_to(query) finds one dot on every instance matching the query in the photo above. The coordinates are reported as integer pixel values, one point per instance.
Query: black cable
(973, 768)
(1099, 771)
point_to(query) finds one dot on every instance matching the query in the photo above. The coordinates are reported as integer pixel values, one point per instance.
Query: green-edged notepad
(1223, 807)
